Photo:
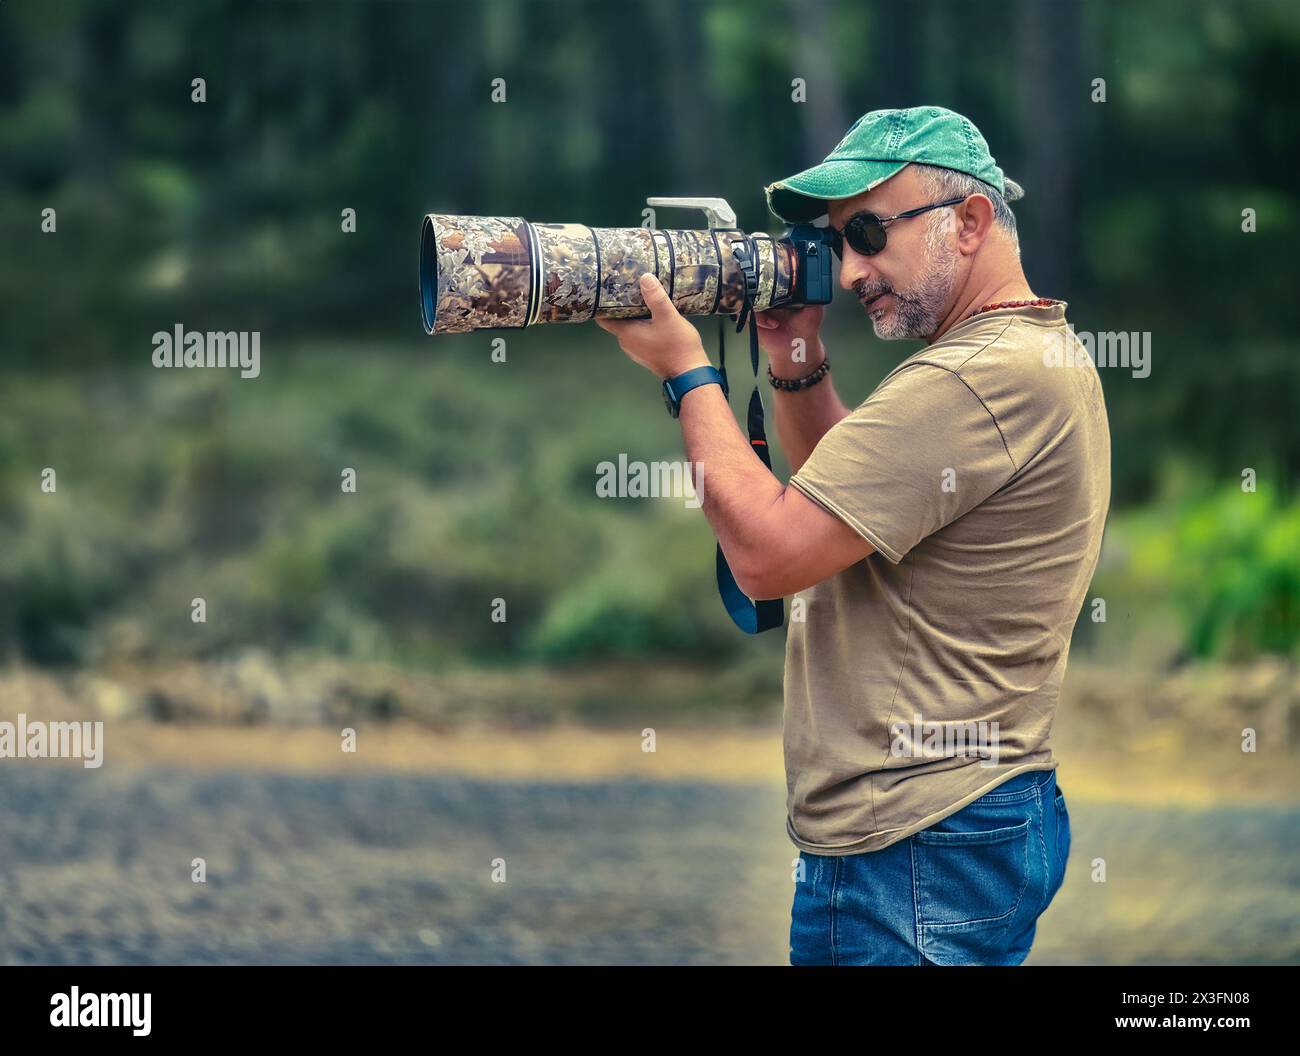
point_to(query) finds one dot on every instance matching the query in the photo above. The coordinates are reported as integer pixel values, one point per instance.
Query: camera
(494, 272)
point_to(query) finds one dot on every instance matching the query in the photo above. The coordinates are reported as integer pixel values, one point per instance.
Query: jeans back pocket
(969, 888)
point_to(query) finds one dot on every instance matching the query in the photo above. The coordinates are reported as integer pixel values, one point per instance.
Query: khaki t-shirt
(928, 673)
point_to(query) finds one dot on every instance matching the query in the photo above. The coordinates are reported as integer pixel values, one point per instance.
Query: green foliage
(1222, 565)
(477, 477)
(655, 599)
(474, 481)
(1230, 563)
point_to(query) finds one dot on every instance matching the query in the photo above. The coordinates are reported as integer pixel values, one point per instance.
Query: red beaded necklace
(1041, 302)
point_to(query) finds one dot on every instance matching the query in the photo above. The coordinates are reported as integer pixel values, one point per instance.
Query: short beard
(920, 308)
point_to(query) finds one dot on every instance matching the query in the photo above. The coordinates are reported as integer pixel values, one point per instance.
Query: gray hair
(942, 184)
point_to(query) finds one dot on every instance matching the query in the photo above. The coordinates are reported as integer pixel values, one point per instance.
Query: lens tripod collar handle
(718, 212)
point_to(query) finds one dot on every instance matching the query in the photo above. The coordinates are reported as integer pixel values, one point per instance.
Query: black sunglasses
(865, 232)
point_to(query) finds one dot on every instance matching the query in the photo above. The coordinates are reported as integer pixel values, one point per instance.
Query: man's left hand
(665, 344)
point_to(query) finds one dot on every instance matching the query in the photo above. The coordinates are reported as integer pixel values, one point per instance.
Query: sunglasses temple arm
(922, 209)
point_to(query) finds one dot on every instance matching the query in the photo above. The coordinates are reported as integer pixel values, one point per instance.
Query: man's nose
(853, 267)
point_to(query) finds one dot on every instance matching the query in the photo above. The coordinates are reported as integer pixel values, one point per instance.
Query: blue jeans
(967, 890)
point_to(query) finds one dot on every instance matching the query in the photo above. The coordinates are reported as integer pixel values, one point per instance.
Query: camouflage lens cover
(483, 268)
(490, 272)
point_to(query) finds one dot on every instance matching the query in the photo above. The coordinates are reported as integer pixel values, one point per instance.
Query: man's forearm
(736, 490)
(802, 417)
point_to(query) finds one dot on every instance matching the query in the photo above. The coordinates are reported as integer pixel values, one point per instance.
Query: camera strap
(750, 616)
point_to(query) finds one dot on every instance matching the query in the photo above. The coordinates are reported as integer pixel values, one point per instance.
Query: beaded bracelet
(795, 384)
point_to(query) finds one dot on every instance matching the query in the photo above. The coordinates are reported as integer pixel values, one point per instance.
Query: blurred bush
(1216, 566)
(1228, 560)
(475, 481)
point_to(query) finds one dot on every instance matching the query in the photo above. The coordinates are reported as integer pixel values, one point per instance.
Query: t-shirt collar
(1047, 316)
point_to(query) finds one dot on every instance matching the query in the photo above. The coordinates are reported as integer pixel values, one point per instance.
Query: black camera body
(811, 248)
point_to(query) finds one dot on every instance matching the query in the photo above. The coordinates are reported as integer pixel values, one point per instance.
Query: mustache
(866, 290)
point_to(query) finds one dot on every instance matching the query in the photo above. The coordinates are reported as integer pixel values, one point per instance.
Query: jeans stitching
(1062, 820)
(1009, 799)
(1042, 842)
(916, 903)
(1014, 797)
(834, 904)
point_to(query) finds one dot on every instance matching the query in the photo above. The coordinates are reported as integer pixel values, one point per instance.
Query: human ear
(974, 218)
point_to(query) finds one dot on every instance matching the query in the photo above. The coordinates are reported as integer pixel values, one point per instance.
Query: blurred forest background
(476, 480)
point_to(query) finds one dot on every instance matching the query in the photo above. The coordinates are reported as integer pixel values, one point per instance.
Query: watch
(677, 387)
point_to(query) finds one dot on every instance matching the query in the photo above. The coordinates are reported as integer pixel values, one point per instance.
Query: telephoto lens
(494, 272)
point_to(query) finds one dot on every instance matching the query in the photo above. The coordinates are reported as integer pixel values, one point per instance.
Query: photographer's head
(908, 287)
(921, 212)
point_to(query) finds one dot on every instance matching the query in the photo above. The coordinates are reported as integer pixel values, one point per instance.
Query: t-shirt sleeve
(917, 454)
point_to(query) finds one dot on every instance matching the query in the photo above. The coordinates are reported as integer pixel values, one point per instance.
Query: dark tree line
(173, 210)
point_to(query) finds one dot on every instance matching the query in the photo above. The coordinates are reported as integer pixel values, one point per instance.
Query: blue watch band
(677, 387)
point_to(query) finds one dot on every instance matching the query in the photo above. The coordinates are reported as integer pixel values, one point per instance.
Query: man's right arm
(802, 416)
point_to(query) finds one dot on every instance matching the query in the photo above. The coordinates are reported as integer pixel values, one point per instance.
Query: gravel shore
(95, 867)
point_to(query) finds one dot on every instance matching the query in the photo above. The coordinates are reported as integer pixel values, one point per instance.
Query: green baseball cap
(876, 147)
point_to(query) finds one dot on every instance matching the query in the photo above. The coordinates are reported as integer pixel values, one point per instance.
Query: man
(939, 539)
